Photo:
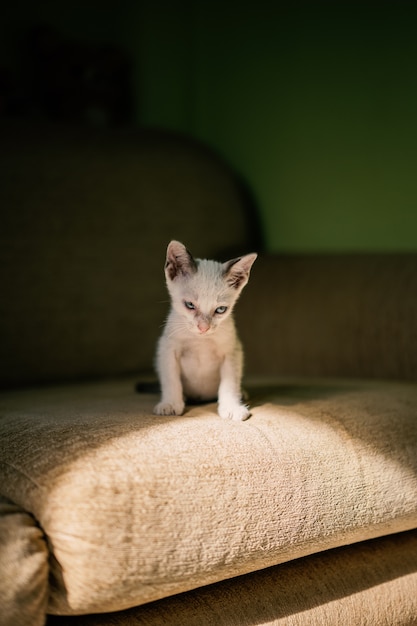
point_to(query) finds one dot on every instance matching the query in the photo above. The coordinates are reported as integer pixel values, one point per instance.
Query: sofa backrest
(86, 216)
(335, 315)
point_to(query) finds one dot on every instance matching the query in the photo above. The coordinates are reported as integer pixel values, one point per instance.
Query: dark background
(315, 104)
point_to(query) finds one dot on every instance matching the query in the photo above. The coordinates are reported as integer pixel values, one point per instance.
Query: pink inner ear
(171, 269)
(237, 270)
(235, 279)
(179, 261)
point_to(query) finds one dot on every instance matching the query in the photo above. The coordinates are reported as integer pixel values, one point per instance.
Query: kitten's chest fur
(201, 358)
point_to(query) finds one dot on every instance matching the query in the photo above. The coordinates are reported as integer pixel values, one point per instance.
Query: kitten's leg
(230, 405)
(172, 400)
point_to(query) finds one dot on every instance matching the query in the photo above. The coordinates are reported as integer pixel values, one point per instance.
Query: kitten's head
(204, 292)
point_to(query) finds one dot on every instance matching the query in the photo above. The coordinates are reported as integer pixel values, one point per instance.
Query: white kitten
(199, 355)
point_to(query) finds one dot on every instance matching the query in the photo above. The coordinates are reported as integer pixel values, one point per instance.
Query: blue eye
(189, 305)
(220, 310)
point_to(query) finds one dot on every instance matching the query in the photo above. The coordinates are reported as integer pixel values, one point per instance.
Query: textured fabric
(137, 507)
(23, 568)
(86, 216)
(331, 315)
(370, 584)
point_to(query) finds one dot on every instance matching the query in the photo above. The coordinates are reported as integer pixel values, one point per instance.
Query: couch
(306, 514)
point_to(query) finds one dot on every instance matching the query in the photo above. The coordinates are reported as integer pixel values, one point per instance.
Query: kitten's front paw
(169, 408)
(236, 412)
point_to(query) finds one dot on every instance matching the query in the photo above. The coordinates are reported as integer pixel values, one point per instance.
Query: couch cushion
(137, 507)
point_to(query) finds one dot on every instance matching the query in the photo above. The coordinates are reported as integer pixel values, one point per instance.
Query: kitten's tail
(147, 386)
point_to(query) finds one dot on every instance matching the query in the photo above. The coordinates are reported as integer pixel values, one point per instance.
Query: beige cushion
(137, 507)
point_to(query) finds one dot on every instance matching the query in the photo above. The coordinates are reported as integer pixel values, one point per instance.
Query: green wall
(315, 104)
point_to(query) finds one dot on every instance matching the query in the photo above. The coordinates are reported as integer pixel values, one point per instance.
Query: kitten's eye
(189, 305)
(220, 310)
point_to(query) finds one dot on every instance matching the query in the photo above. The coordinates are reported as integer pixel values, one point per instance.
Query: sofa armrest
(24, 568)
(86, 218)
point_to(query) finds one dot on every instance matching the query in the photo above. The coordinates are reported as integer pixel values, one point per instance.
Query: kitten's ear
(179, 261)
(236, 271)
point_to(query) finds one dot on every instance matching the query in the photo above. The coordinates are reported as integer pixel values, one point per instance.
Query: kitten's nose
(203, 327)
